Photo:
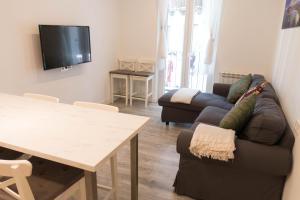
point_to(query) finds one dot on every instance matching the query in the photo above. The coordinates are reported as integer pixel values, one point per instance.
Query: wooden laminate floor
(158, 159)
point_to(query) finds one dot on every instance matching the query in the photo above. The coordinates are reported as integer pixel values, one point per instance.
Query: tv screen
(64, 46)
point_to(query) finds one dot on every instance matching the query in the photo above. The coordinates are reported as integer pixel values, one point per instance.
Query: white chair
(26, 181)
(113, 159)
(42, 97)
(127, 64)
(96, 106)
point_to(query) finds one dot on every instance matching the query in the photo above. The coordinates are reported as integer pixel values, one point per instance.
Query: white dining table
(78, 137)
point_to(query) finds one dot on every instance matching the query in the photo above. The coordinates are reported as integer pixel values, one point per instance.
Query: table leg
(91, 185)
(134, 167)
(131, 90)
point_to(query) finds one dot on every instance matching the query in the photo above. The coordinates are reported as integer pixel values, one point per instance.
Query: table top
(132, 73)
(78, 137)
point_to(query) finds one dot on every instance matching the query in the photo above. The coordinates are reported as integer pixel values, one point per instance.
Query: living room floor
(158, 159)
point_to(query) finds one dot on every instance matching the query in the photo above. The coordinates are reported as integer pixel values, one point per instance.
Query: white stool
(115, 75)
(146, 77)
(144, 71)
(126, 66)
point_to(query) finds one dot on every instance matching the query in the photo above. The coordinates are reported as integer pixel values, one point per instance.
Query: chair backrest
(42, 97)
(96, 106)
(145, 65)
(17, 172)
(127, 64)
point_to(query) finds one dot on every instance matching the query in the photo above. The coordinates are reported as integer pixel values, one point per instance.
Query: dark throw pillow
(239, 88)
(239, 115)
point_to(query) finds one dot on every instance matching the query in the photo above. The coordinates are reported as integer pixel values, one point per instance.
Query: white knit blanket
(184, 95)
(213, 142)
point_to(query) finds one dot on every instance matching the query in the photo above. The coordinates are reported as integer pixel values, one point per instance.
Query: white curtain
(162, 50)
(163, 20)
(213, 11)
(211, 15)
(207, 16)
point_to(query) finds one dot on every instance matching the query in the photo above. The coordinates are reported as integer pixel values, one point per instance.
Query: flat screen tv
(64, 46)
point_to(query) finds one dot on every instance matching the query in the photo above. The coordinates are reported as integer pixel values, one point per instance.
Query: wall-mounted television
(64, 46)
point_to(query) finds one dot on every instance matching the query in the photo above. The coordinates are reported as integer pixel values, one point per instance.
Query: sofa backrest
(288, 139)
(257, 79)
(267, 124)
(268, 91)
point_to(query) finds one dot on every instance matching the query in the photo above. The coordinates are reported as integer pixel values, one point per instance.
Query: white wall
(249, 43)
(138, 39)
(21, 65)
(286, 73)
(138, 28)
(248, 36)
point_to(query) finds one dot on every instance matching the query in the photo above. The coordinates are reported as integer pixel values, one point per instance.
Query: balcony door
(189, 34)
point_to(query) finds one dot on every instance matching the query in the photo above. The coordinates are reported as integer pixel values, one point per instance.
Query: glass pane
(198, 70)
(176, 28)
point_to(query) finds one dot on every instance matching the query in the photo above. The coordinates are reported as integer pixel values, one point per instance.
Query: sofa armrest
(184, 141)
(221, 89)
(273, 160)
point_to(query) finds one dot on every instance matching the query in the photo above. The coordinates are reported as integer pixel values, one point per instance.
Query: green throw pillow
(239, 88)
(239, 115)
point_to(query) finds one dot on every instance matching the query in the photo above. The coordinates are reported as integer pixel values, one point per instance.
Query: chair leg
(76, 191)
(167, 123)
(146, 93)
(111, 89)
(82, 192)
(113, 190)
(126, 92)
(114, 176)
(23, 188)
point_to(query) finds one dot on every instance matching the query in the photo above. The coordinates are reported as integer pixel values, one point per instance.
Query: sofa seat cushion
(210, 115)
(199, 102)
(7, 154)
(267, 124)
(50, 179)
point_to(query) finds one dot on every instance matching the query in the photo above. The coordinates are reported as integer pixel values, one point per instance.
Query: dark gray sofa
(182, 113)
(263, 156)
